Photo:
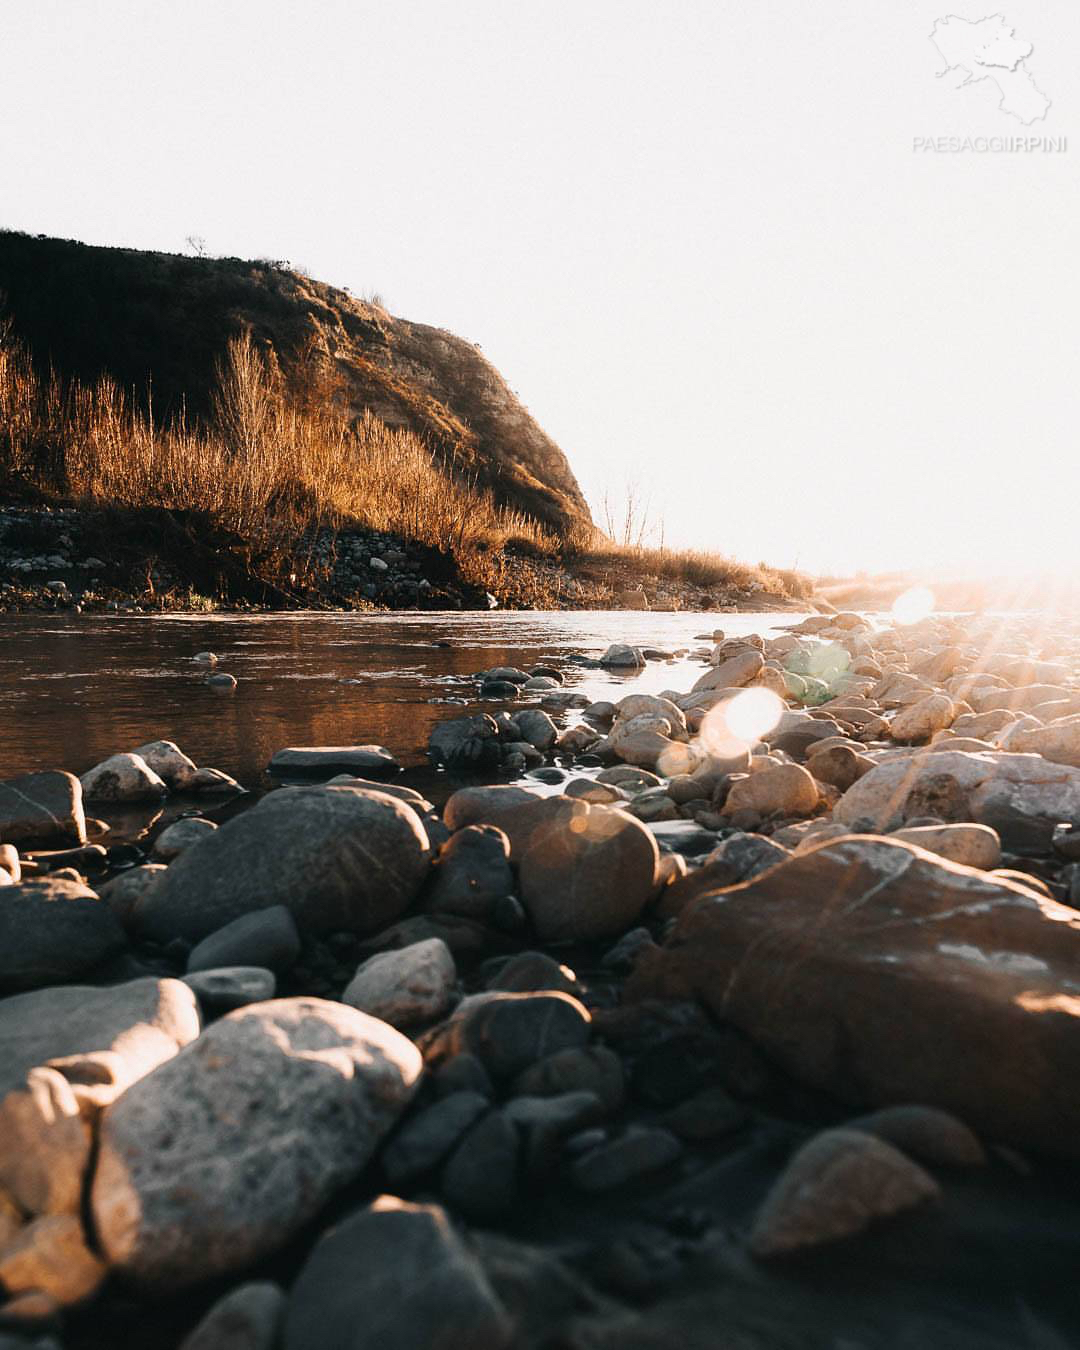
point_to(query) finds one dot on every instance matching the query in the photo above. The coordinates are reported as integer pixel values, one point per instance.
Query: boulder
(228, 987)
(394, 1276)
(125, 892)
(925, 1133)
(1021, 796)
(623, 657)
(403, 987)
(327, 760)
(168, 761)
(918, 721)
(834, 1186)
(537, 728)
(428, 1136)
(123, 778)
(584, 871)
(52, 930)
(733, 673)
(226, 1150)
(336, 857)
(42, 806)
(813, 958)
(1057, 741)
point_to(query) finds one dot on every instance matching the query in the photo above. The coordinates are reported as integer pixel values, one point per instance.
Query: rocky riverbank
(152, 561)
(737, 1015)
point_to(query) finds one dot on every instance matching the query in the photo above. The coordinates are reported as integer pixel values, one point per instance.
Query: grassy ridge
(276, 460)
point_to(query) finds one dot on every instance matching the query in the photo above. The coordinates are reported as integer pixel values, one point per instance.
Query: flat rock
(331, 759)
(335, 857)
(230, 987)
(222, 1153)
(812, 959)
(267, 938)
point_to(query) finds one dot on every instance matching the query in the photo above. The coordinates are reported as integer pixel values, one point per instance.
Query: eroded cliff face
(164, 320)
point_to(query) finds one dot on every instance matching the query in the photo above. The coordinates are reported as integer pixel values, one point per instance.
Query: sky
(696, 236)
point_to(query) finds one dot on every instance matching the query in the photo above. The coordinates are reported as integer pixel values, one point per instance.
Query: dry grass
(268, 466)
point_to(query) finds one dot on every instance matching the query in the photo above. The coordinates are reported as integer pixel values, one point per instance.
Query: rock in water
(51, 930)
(836, 1185)
(221, 1154)
(169, 762)
(813, 958)
(331, 759)
(336, 857)
(42, 806)
(394, 1276)
(123, 778)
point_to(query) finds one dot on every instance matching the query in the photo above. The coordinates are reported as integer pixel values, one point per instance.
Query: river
(75, 689)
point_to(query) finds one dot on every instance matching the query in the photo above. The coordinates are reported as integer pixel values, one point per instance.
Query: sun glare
(913, 605)
(740, 721)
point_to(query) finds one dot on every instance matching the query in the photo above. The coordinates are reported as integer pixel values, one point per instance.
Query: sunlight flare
(913, 604)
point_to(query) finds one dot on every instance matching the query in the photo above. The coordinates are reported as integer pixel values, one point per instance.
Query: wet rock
(221, 683)
(812, 959)
(640, 1150)
(52, 930)
(537, 728)
(404, 987)
(42, 806)
(622, 656)
(836, 1185)
(168, 761)
(331, 759)
(508, 1032)
(229, 987)
(336, 857)
(472, 872)
(394, 1276)
(246, 1318)
(267, 939)
(181, 834)
(122, 778)
(466, 743)
(223, 1152)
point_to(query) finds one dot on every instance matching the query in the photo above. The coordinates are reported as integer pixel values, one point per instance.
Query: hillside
(163, 321)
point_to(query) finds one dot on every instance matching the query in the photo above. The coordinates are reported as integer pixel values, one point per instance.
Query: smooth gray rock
(508, 1032)
(394, 1276)
(537, 728)
(42, 806)
(412, 984)
(220, 1155)
(230, 987)
(267, 938)
(246, 1318)
(51, 930)
(640, 1150)
(336, 857)
(479, 1179)
(332, 759)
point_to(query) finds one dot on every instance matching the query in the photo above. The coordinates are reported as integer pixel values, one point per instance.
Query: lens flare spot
(914, 604)
(740, 721)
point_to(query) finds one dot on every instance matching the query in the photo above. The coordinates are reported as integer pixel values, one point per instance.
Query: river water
(77, 688)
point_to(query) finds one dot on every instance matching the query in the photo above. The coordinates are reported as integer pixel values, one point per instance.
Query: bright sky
(694, 235)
